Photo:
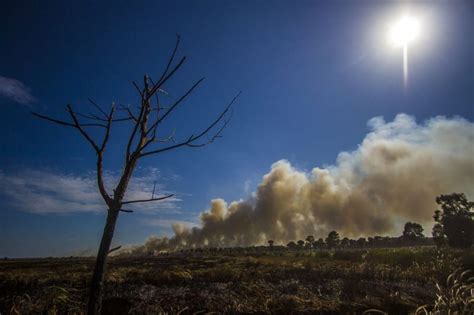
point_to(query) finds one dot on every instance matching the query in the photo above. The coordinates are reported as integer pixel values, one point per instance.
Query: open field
(395, 280)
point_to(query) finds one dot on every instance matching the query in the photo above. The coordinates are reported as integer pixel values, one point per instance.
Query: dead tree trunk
(146, 120)
(95, 296)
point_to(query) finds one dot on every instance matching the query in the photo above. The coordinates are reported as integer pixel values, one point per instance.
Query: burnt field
(395, 280)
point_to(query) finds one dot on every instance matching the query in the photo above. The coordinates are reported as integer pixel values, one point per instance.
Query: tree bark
(95, 297)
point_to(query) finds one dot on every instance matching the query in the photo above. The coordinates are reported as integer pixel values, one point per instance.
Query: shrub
(403, 257)
(349, 255)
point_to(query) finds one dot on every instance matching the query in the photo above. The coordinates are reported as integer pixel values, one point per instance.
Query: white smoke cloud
(394, 175)
(46, 191)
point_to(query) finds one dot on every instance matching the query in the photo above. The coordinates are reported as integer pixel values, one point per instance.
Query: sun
(405, 31)
(401, 34)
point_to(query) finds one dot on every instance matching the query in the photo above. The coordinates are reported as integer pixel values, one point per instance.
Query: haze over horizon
(324, 136)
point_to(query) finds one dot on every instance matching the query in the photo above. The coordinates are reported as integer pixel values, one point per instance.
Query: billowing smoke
(393, 176)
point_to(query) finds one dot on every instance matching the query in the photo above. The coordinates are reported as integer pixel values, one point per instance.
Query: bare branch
(98, 107)
(160, 83)
(93, 125)
(169, 138)
(193, 138)
(157, 109)
(134, 131)
(175, 105)
(107, 131)
(153, 139)
(97, 117)
(219, 118)
(129, 112)
(78, 126)
(148, 200)
(128, 211)
(53, 120)
(145, 84)
(114, 249)
(91, 116)
(145, 107)
(215, 136)
(170, 61)
(122, 119)
(94, 117)
(100, 178)
(98, 150)
(137, 88)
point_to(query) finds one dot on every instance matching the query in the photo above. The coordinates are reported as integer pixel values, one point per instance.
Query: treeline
(412, 236)
(454, 227)
(311, 245)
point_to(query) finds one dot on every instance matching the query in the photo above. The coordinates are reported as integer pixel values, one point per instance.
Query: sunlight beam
(401, 34)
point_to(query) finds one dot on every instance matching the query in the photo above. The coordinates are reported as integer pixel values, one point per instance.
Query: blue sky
(312, 73)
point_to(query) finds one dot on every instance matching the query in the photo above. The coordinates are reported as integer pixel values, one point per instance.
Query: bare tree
(143, 141)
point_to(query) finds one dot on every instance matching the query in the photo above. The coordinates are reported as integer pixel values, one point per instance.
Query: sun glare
(401, 34)
(404, 31)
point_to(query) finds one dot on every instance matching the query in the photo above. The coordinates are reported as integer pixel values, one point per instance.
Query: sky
(312, 75)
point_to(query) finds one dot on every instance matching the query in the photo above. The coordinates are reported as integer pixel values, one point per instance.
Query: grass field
(395, 280)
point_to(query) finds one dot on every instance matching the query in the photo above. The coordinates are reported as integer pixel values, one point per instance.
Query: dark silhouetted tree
(146, 119)
(300, 243)
(270, 243)
(291, 245)
(456, 218)
(412, 232)
(345, 242)
(361, 242)
(352, 243)
(438, 235)
(319, 244)
(333, 239)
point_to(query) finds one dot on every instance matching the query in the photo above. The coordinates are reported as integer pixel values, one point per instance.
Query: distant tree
(300, 243)
(310, 239)
(270, 243)
(412, 232)
(291, 245)
(319, 244)
(143, 140)
(370, 241)
(378, 239)
(456, 218)
(386, 241)
(333, 239)
(345, 242)
(352, 243)
(438, 235)
(361, 242)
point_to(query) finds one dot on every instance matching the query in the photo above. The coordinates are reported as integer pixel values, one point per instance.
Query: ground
(395, 280)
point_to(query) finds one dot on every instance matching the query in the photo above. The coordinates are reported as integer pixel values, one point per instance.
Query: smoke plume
(393, 176)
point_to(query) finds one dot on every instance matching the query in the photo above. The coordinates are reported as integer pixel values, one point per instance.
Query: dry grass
(393, 280)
